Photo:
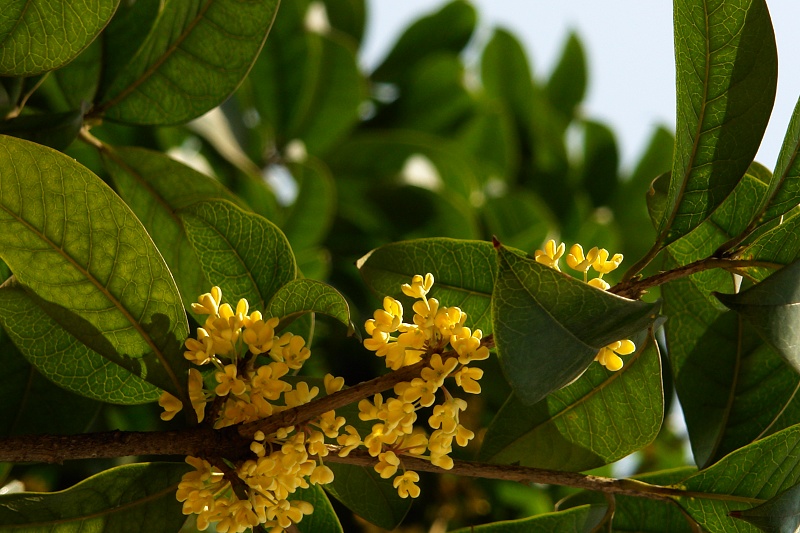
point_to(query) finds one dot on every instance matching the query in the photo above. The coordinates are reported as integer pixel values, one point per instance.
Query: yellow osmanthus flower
(550, 255)
(609, 356)
(437, 333)
(289, 459)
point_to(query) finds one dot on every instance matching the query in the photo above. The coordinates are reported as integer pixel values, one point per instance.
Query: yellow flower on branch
(609, 356)
(550, 255)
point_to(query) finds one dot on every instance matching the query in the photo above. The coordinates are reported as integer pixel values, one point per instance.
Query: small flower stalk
(601, 261)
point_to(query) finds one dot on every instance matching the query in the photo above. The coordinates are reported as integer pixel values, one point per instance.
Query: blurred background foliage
(447, 137)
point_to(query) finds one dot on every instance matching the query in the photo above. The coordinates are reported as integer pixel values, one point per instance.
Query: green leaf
(733, 388)
(365, 493)
(643, 514)
(520, 218)
(348, 16)
(784, 194)
(310, 216)
(126, 498)
(567, 85)
(726, 70)
(771, 307)
(777, 515)
(463, 272)
(600, 162)
(56, 130)
(548, 326)
(243, 253)
(39, 35)
(74, 243)
(80, 79)
(323, 518)
(600, 418)
(10, 91)
(194, 57)
(745, 478)
(507, 77)
(447, 30)
(490, 137)
(34, 405)
(585, 518)
(63, 359)
(155, 187)
(302, 296)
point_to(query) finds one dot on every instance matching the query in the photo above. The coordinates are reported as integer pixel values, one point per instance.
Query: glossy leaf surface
(779, 514)
(726, 70)
(156, 187)
(302, 296)
(582, 519)
(126, 498)
(195, 56)
(323, 518)
(39, 35)
(600, 418)
(242, 253)
(463, 272)
(548, 326)
(64, 359)
(363, 491)
(75, 244)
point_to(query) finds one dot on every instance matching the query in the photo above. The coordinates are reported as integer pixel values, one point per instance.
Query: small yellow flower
(599, 283)
(208, 303)
(550, 255)
(387, 464)
(170, 404)
(467, 378)
(196, 393)
(406, 484)
(603, 264)
(349, 440)
(229, 382)
(419, 286)
(609, 356)
(577, 261)
(439, 369)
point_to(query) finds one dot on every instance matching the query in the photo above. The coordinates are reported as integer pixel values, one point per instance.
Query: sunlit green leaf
(194, 57)
(745, 478)
(567, 84)
(600, 418)
(778, 515)
(75, 244)
(463, 272)
(447, 30)
(583, 519)
(771, 307)
(548, 326)
(302, 296)
(34, 405)
(39, 35)
(784, 194)
(726, 70)
(64, 359)
(242, 253)
(133, 497)
(156, 187)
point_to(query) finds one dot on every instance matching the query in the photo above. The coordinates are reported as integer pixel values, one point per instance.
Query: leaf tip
(496, 242)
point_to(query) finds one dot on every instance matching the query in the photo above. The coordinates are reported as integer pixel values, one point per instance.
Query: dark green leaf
(463, 271)
(447, 30)
(583, 519)
(490, 137)
(780, 514)
(56, 130)
(10, 91)
(302, 296)
(519, 218)
(653, 516)
(243, 253)
(784, 194)
(133, 497)
(34, 405)
(600, 418)
(726, 69)
(64, 359)
(567, 85)
(312, 212)
(324, 518)
(155, 187)
(771, 307)
(348, 16)
(745, 478)
(79, 80)
(194, 57)
(363, 491)
(94, 268)
(548, 326)
(600, 162)
(39, 35)
(507, 77)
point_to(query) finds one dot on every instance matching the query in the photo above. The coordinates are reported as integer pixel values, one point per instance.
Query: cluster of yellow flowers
(228, 344)
(598, 259)
(434, 329)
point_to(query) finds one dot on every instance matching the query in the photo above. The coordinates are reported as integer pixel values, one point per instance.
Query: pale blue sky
(630, 54)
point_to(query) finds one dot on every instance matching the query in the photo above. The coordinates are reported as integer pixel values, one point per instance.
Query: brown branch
(634, 289)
